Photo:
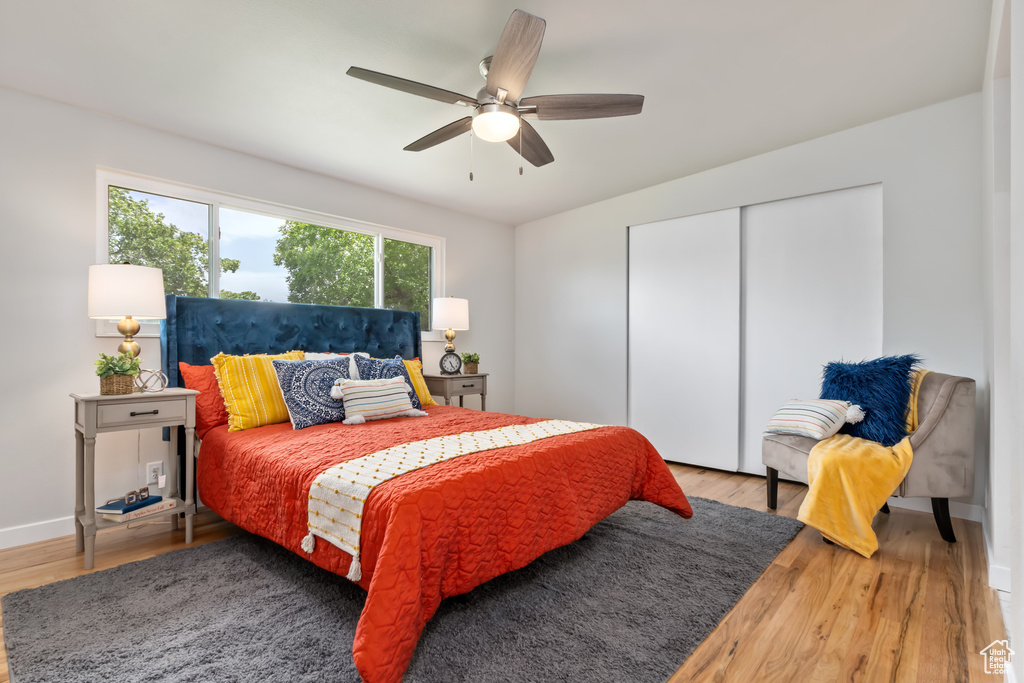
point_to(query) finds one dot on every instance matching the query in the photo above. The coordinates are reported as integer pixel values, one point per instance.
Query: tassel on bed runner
(355, 569)
(309, 543)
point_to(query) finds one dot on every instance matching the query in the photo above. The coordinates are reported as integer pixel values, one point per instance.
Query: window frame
(106, 177)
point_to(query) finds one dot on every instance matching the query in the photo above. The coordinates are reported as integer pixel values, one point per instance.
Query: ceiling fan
(499, 115)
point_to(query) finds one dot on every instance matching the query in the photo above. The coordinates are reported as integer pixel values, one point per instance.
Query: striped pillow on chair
(818, 419)
(375, 399)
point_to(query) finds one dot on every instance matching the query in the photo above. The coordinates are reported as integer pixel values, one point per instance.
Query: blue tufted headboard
(196, 329)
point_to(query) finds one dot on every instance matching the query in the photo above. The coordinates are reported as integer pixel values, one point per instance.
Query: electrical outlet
(154, 471)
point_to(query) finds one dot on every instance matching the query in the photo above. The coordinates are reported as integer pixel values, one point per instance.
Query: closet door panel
(812, 293)
(684, 337)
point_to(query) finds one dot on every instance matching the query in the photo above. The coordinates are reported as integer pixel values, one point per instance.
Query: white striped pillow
(817, 419)
(375, 399)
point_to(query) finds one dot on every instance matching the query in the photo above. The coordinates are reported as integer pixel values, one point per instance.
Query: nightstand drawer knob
(468, 386)
(151, 412)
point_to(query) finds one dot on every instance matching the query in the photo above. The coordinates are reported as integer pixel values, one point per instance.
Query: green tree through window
(323, 265)
(407, 278)
(247, 295)
(143, 238)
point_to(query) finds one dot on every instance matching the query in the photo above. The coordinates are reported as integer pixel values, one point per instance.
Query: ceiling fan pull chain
(471, 155)
(520, 151)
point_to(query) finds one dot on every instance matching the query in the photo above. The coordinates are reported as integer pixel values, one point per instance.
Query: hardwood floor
(919, 610)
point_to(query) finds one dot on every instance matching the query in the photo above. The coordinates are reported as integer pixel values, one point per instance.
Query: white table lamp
(126, 293)
(450, 314)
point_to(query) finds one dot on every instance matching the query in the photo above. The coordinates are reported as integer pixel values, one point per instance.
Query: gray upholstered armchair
(943, 444)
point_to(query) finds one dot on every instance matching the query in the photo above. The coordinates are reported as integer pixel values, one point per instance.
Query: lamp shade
(450, 313)
(117, 291)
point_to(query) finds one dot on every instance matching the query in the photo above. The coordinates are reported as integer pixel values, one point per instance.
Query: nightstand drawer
(469, 385)
(140, 413)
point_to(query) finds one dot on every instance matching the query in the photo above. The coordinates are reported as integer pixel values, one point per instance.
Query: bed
(428, 534)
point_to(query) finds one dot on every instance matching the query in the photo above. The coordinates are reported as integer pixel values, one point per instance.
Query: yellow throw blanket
(851, 478)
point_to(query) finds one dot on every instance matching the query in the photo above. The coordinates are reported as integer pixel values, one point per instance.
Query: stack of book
(119, 511)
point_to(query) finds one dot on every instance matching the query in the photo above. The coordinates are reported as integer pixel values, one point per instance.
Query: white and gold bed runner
(338, 494)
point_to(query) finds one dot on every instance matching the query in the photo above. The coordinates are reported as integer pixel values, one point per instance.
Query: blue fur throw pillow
(881, 387)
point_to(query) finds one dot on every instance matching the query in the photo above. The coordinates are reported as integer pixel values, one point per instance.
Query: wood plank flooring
(919, 610)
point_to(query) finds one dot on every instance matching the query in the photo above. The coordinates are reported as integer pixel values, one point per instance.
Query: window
(262, 251)
(163, 232)
(406, 268)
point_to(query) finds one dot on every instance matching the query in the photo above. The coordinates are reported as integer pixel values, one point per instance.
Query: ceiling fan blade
(452, 130)
(565, 107)
(515, 55)
(534, 149)
(411, 87)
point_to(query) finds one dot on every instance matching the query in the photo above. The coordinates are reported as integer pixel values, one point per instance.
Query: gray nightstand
(458, 385)
(95, 414)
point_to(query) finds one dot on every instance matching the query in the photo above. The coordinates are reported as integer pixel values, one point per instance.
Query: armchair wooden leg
(940, 507)
(885, 508)
(773, 488)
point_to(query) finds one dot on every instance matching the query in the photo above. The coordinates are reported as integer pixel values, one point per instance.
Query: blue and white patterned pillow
(306, 386)
(381, 368)
(330, 355)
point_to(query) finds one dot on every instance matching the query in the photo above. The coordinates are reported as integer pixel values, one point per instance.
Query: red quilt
(436, 532)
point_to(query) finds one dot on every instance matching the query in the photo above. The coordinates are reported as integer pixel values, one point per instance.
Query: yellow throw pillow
(250, 389)
(415, 370)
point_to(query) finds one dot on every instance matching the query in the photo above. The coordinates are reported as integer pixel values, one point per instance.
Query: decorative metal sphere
(151, 381)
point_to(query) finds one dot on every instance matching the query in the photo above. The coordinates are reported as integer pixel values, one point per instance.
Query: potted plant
(471, 362)
(117, 373)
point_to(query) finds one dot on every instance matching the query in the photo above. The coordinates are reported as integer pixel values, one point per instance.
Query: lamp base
(129, 346)
(129, 328)
(449, 334)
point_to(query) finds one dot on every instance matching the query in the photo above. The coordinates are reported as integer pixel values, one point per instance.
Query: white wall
(1016, 293)
(48, 158)
(996, 259)
(571, 267)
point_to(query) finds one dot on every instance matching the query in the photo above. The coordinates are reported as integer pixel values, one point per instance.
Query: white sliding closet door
(684, 337)
(812, 293)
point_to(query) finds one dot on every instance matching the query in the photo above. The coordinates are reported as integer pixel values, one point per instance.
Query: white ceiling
(723, 80)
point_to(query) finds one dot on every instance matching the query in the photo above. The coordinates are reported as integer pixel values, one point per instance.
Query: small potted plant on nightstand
(117, 373)
(471, 362)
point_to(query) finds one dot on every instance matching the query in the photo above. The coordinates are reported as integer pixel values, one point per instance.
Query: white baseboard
(38, 531)
(998, 575)
(972, 513)
(44, 531)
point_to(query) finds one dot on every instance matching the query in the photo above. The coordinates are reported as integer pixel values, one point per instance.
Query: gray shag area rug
(628, 602)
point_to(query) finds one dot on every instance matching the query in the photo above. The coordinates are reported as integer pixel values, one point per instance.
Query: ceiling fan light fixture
(495, 122)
